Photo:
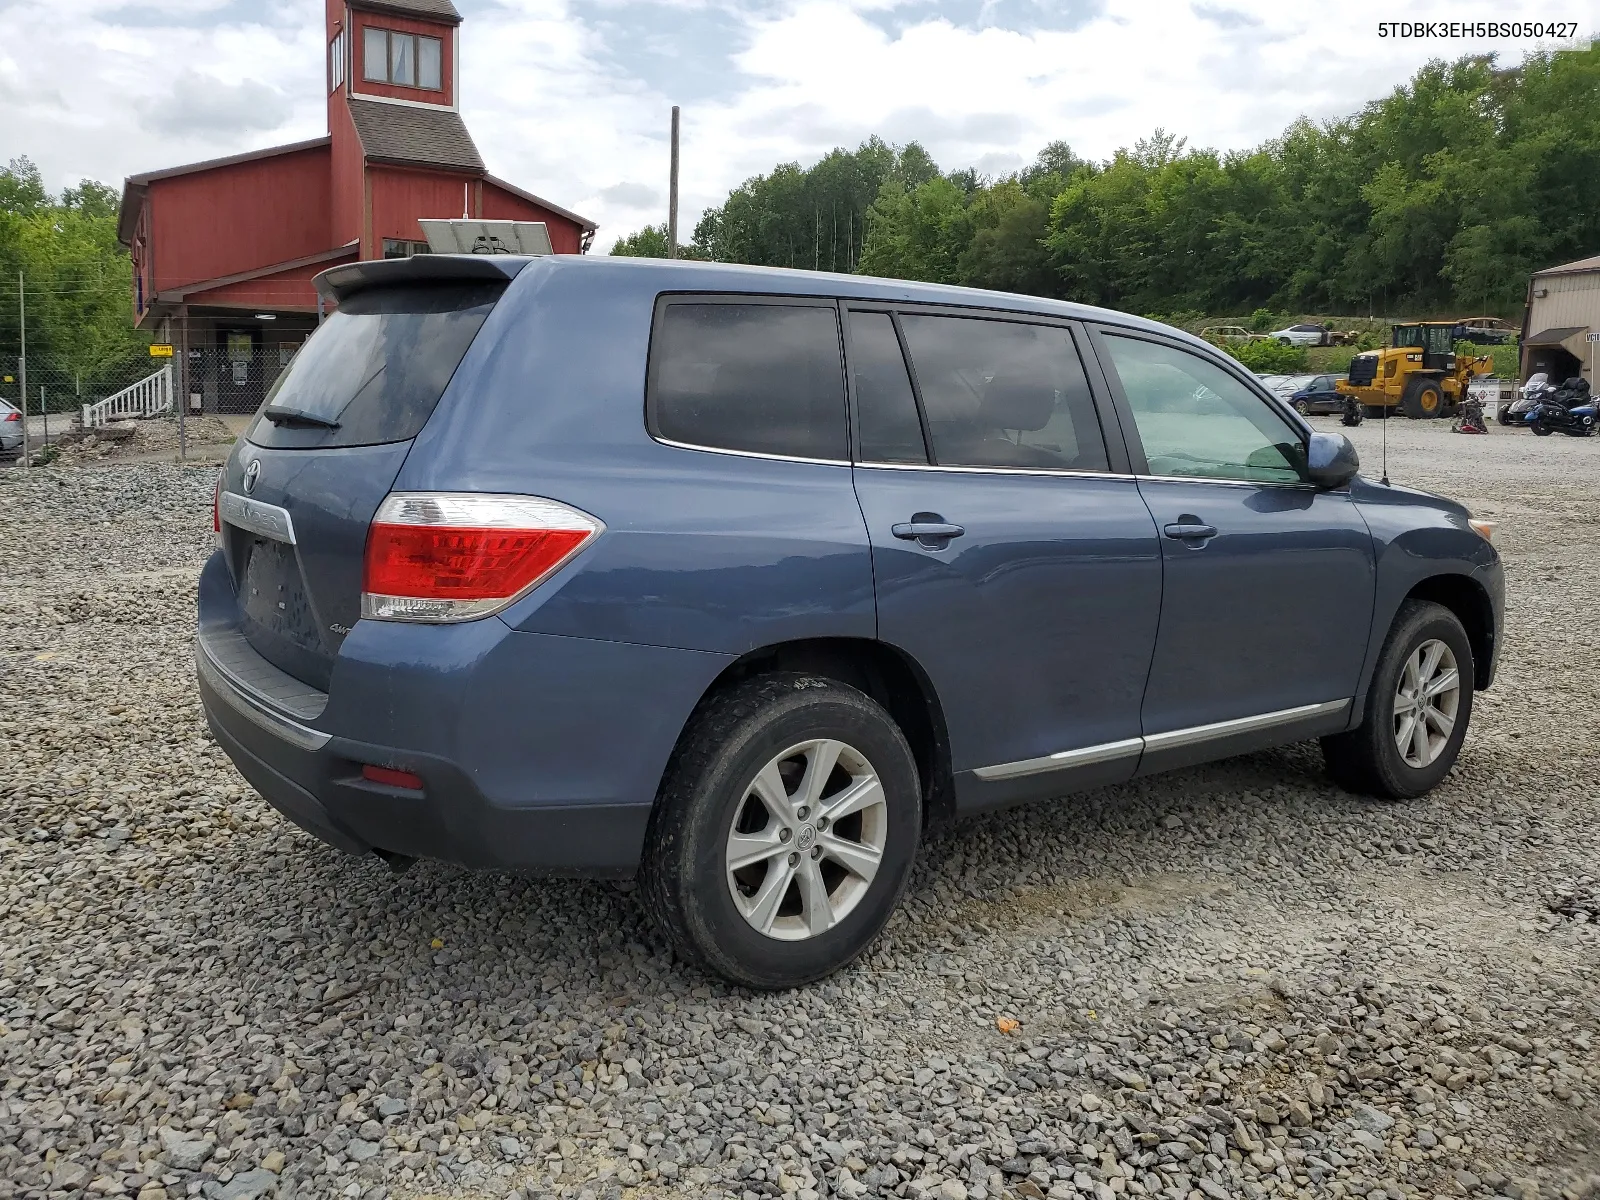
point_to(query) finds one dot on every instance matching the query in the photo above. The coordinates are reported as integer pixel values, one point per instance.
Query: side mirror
(1331, 461)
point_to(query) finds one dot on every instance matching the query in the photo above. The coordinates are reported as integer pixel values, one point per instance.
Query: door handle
(1190, 531)
(934, 534)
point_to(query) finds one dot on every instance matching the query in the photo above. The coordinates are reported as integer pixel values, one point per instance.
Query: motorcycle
(1551, 416)
(1516, 413)
(1352, 414)
(1470, 419)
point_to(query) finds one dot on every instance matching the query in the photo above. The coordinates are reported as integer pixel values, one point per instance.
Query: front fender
(1423, 544)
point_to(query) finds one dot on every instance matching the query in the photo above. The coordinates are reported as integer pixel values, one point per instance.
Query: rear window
(1003, 394)
(765, 378)
(375, 369)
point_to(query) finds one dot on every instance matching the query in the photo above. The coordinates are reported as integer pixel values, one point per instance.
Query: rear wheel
(1418, 708)
(1423, 399)
(785, 832)
(1375, 412)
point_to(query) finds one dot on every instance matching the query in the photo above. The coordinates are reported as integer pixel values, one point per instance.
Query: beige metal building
(1563, 309)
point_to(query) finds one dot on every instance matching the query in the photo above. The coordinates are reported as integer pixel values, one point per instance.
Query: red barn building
(224, 251)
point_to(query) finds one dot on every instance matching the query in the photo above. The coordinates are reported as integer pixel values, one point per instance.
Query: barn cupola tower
(394, 109)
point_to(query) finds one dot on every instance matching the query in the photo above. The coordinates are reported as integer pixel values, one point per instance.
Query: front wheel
(1540, 429)
(1303, 407)
(1418, 708)
(785, 831)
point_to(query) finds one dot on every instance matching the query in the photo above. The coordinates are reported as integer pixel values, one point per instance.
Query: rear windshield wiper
(296, 416)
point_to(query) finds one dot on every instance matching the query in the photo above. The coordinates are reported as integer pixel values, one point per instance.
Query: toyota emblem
(251, 474)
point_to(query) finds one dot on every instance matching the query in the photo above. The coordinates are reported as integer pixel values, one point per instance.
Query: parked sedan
(1301, 335)
(1484, 331)
(11, 435)
(1318, 396)
(1220, 334)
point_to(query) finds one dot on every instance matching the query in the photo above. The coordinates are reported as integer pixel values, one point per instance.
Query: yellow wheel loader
(1420, 373)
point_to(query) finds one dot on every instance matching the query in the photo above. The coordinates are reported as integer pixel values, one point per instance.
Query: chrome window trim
(264, 520)
(825, 462)
(252, 710)
(1227, 482)
(1127, 747)
(1047, 471)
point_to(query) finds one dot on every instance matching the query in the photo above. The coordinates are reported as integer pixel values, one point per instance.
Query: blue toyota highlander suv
(734, 578)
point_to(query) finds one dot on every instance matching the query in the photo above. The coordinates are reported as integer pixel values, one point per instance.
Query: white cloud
(570, 98)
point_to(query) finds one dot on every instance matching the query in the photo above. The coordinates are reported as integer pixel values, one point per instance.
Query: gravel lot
(1232, 981)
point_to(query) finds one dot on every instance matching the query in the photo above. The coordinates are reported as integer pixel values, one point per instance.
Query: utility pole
(22, 363)
(672, 192)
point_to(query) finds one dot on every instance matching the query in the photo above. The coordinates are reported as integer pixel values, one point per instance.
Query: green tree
(77, 281)
(649, 242)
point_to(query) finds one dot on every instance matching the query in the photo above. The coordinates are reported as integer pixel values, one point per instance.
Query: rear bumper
(535, 752)
(315, 780)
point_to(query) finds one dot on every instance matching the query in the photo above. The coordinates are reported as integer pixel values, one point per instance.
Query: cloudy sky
(569, 98)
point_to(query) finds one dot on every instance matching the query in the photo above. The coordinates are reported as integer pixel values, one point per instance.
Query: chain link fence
(230, 380)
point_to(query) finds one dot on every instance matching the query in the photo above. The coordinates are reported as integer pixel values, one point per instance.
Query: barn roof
(441, 10)
(1583, 264)
(402, 133)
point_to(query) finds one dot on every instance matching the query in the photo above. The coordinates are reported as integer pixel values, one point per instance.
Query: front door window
(1197, 420)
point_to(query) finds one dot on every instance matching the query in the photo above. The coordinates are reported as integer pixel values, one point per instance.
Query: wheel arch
(1467, 599)
(890, 676)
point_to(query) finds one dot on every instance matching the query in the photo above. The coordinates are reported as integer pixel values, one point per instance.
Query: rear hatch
(298, 496)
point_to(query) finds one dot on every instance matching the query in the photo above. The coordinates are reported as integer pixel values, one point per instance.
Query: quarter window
(405, 59)
(765, 378)
(1003, 394)
(1196, 419)
(886, 409)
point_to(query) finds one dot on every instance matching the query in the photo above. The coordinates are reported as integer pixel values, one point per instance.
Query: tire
(1423, 400)
(708, 797)
(1285, 342)
(1540, 429)
(1368, 759)
(1303, 407)
(1375, 412)
(1504, 416)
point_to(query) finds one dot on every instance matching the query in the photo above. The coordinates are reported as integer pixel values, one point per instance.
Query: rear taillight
(11, 416)
(457, 556)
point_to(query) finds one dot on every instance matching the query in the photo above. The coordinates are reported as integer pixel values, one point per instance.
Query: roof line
(1573, 268)
(400, 9)
(541, 202)
(179, 295)
(230, 160)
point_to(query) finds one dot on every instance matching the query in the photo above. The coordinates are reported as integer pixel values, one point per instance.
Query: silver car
(11, 434)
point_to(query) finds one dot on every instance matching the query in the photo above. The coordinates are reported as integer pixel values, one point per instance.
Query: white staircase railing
(151, 395)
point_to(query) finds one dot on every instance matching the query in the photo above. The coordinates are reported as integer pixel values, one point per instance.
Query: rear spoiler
(340, 283)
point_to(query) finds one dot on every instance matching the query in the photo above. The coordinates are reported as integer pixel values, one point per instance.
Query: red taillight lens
(392, 778)
(436, 556)
(216, 508)
(11, 416)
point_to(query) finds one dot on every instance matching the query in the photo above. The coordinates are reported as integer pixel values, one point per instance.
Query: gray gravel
(1232, 981)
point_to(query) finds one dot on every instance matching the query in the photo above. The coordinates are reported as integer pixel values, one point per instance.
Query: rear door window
(375, 369)
(761, 378)
(1003, 394)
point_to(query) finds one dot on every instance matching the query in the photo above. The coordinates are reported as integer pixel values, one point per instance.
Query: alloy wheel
(1426, 701)
(806, 840)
